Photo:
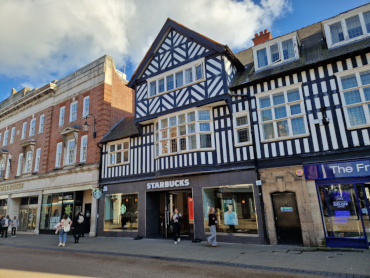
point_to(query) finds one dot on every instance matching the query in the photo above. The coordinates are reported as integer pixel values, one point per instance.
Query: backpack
(80, 219)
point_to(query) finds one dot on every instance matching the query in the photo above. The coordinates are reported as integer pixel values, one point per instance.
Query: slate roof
(124, 128)
(312, 51)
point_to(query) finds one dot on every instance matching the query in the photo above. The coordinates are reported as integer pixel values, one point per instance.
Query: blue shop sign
(334, 170)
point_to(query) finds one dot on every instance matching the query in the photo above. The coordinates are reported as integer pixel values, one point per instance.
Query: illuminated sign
(168, 184)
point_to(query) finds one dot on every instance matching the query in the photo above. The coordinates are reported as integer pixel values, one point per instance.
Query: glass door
(363, 191)
(23, 219)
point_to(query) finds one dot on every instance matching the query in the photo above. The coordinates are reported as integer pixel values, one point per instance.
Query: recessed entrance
(161, 205)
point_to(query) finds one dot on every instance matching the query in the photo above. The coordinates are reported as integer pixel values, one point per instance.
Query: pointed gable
(175, 45)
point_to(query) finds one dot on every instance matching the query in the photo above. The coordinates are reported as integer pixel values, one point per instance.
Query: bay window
(186, 131)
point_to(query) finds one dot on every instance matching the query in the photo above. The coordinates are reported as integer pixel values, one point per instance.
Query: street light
(85, 126)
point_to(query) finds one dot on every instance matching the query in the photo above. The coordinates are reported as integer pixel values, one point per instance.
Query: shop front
(145, 208)
(344, 195)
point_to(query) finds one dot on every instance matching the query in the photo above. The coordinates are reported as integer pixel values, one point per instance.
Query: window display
(234, 207)
(121, 212)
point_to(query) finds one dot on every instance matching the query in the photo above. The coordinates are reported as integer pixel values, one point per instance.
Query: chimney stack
(261, 37)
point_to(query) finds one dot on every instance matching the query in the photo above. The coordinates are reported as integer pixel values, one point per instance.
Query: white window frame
(267, 45)
(86, 106)
(32, 127)
(41, 123)
(72, 113)
(24, 130)
(289, 117)
(342, 20)
(20, 164)
(59, 154)
(83, 149)
(6, 136)
(37, 160)
(159, 131)
(0, 137)
(7, 171)
(173, 73)
(360, 87)
(238, 127)
(28, 165)
(122, 147)
(12, 134)
(70, 159)
(62, 112)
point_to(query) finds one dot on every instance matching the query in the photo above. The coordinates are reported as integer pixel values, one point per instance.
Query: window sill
(184, 152)
(125, 163)
(339, 44)
(358, 127)
(284, 138)
(242, 144)
(179, 88)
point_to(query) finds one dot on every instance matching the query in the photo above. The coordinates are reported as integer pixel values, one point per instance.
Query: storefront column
(38, 216)
(12, 208)
(93, 217)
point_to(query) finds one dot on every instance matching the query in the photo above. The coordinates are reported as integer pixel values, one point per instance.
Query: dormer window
(178, 78)
(266, 54)
(355, 25)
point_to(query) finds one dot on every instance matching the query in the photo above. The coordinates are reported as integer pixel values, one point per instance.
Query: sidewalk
(305, 260)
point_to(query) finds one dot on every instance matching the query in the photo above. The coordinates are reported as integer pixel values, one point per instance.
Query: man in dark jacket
(77, 225)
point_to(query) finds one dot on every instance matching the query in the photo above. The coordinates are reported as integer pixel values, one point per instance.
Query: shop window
(119, 152)
(355, 95)
(121, 212)
(282, 114)
(234, 207)
(188, 131)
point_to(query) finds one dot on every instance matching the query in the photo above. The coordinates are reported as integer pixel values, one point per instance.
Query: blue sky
(63, 36)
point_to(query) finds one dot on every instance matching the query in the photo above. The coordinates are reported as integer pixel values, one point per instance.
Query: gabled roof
(171, 24)
(124, 128)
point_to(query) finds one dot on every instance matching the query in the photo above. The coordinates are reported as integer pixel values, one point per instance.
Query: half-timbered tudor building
(49, 164)
(275, 137)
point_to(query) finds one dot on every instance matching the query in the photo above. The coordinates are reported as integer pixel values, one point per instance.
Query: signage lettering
(11, 187)
(347, 169)
(168, 184)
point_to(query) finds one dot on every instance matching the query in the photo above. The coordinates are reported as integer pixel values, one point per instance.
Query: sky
(45, 40)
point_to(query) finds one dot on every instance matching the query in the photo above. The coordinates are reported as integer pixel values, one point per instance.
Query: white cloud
(42, 40)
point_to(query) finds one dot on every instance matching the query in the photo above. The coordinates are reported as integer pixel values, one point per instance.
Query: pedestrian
(83, 225)
(5, 223)
(15, 224)
(66, 227)
(1, 227)
(212, 223)
(76, 226)
(177, 218)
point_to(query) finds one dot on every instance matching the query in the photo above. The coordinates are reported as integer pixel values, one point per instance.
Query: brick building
(48, 164)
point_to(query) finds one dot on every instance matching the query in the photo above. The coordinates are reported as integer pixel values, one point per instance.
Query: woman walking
(66, 227)
(212, 223)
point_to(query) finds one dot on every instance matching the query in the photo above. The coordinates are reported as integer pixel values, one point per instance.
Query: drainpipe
(262, 204)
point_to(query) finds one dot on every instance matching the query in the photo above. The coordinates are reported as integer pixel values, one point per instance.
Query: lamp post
(85, 126)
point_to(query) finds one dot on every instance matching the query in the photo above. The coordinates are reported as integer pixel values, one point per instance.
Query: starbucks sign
(97, 193)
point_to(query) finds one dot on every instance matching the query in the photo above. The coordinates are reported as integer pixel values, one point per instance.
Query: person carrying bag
(66, 227)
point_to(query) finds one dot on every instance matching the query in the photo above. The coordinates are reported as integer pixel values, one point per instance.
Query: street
(28, 262)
